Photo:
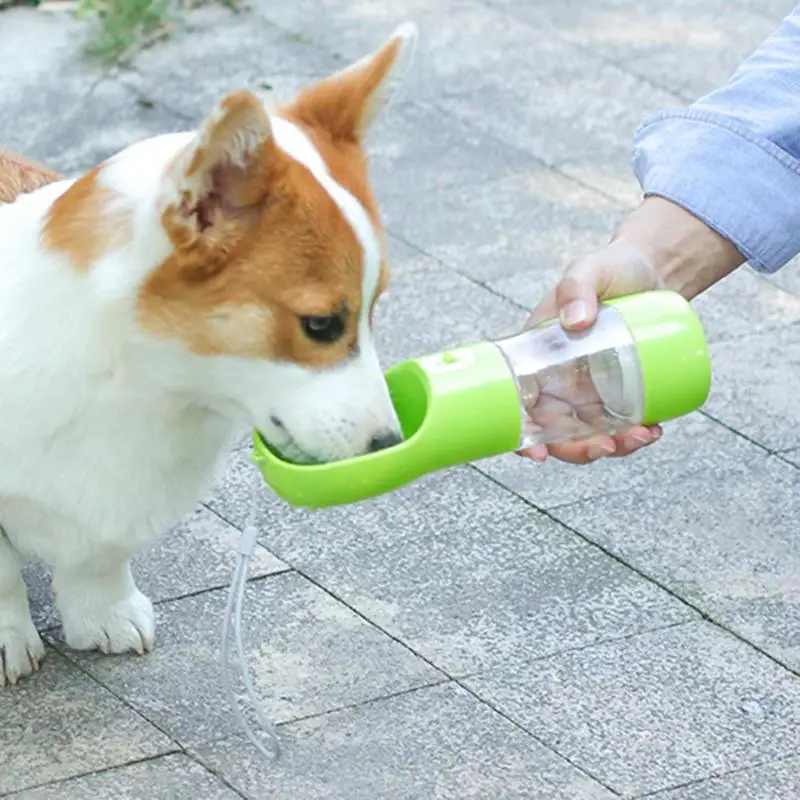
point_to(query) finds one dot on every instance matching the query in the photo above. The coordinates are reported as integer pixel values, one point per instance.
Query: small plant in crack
(125, 26)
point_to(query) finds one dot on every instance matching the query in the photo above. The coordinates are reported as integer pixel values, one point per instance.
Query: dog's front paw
(21, 650)
(127, 625)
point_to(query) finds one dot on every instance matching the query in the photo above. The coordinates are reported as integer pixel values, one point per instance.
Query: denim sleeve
(733, 157)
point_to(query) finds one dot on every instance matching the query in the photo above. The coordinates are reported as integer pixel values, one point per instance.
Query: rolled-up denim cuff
(743, 186)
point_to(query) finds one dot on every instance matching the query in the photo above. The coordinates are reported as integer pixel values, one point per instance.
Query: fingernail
(599, 451)
(643, 439)
(656, 434)
(531, 456)
(574, 313)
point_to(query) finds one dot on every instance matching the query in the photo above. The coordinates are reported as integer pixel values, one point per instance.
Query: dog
(190, 286)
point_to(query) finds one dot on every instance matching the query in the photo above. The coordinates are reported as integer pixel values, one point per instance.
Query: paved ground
(502, 630)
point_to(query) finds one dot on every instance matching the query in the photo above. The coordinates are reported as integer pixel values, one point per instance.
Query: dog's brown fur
(19, 175)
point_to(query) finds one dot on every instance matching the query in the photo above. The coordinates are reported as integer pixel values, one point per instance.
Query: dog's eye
(323, 329)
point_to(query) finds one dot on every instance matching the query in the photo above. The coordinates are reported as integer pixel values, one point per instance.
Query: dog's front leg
(101, 607)
(21, 648)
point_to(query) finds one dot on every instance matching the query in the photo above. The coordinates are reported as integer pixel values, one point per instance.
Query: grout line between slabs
(474, 281)
(409, 648)
(536, 738)
(706, 615)
(551, 166)
(611, 640)
(212, 743)
(64, 652)
(90, 772)
(708, 415)
(445, 681)
(49, 629)
(715, 776)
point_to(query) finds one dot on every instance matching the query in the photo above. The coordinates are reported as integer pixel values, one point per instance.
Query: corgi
(190, 286)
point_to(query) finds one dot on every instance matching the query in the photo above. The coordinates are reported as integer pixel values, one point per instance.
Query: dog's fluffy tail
(19, 175)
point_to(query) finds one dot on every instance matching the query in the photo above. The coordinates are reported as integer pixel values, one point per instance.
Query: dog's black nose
(383, 440)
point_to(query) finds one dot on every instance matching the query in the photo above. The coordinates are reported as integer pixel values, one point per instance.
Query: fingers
(536, 453)
(585, 451)
(636, 438)
(589, 450)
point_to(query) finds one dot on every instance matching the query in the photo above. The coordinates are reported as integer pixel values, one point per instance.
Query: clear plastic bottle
(619, 373)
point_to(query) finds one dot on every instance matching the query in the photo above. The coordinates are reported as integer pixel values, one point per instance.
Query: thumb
(576, 295)
(574, 299)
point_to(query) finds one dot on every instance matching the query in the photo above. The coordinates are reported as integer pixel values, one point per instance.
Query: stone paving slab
(222, 51)
(96, 126)
(656, 710)
(460, 570)
(787, 278)
(724, 539)
(509, 79)
(437, 743)
(60, 723)
(504, 76)
(428, 308)
(534, 220)
(742, 304)
(172, 777)
(677, 455)
(418, 150)
(352, 28)
(776, 780)
(413, 149)
(308, 654)
(197, 555)
(749, 390)
(38, 93)
(658, 42)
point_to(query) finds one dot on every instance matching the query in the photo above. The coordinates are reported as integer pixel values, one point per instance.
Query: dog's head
(278, 257)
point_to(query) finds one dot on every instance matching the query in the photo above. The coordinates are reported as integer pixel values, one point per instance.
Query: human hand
(660, 245)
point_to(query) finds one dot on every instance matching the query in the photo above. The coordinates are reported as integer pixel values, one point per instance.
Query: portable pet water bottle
(644, 361)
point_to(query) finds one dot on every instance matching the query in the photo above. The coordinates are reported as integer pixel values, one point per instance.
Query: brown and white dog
(191, 285)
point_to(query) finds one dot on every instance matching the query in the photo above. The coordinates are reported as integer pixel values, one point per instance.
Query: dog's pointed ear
(217, 186)
(347, 103)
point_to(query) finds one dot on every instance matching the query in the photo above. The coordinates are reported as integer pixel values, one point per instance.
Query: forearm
(684, 253)
(733, 160)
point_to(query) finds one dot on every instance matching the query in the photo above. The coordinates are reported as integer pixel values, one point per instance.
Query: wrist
(685, 254)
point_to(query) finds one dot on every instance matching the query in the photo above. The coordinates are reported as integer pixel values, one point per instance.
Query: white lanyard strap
(268, 743)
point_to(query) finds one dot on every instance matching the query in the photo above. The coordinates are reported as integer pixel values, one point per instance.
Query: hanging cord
(268, 743)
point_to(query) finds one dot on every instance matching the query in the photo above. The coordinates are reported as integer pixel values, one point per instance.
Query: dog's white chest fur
(82, 439)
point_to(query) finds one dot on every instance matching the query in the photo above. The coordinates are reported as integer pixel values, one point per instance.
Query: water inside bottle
(576, 385)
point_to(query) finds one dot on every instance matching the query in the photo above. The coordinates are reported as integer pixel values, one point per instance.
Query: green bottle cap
(672, 353)
(454, 407)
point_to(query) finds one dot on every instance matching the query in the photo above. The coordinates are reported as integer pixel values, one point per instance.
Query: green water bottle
(644, 361)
